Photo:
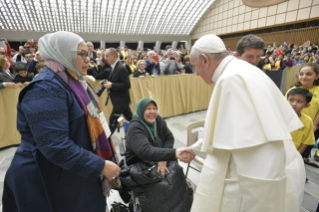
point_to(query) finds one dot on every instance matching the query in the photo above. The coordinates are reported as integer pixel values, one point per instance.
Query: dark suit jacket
(121, 85)
(5, 78)
(32, 68)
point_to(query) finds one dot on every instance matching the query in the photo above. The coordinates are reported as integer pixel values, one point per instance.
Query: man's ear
(237, 55)
(205, 60)
(307, 105)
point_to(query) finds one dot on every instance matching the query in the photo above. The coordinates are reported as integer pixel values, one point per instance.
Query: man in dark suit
(118, 86)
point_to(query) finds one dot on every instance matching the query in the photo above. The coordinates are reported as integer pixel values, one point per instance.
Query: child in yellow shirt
(299, 99)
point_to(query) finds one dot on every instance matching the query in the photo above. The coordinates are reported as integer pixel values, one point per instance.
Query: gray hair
(148, 53)
(249, 41)
(213, 56)
(170, 51)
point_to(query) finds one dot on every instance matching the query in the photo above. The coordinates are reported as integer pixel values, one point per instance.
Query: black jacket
(32, 68)
(189, 69)
(138, 74)
(121, 84)
(28, 78)
(100, 72)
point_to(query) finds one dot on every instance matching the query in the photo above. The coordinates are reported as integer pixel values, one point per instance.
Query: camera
(101, 89)
(172, 58)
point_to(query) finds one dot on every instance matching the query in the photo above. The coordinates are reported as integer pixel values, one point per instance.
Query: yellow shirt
(124, 54)
(314, 104)
(277, 65)
(267, 66)
(305, 134)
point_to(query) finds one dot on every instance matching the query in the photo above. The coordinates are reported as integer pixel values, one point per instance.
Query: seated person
(6, 78)
(149, 141)
(189, 68)
(299, 99)
(23, 77)
(141, 73)
(100, 72)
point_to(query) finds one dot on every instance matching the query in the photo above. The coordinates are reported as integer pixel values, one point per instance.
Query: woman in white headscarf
(64, 150)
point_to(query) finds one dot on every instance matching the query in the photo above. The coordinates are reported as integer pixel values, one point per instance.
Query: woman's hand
(111, 170)
(185, 154)
(315, 128)
(11, 84)
(20, 84)
(162, 167)
(26, 83)
(142, 76)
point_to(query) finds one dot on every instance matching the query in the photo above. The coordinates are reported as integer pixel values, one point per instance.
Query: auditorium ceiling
(144, 17)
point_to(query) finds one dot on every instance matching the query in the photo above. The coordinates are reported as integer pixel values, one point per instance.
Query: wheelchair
(134, 205)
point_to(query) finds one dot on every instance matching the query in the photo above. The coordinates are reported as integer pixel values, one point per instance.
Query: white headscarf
(62, 47)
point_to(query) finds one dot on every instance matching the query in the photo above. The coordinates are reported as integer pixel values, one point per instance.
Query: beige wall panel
(263, 12)
(253, 24)
(240, 27)
(228, 29)
(230, 13)
(248, 9)
(247, 16)
(231, 5)
(246, 25)
(220, 16)
(219, 31)
(254, 14)
(229, 21)
(280, 18)
(314, 11)
(282, 8)
(291, 16)
(262, 22)
(225, 6)
(303, 13)
(270, 20)
(272, 10)
(305, 3)
(225, 15)
(236, 3)
(236, 11)
(241, 18)
(242, 9)
(224, 23)
(293, 5)
(215, 18)
(315, 2)
(234, 28)
(220, 24)
(224, 30)
(235, 19)
(215, 25)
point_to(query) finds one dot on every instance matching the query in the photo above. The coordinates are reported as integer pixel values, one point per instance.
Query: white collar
(113, 66)
(219, 70)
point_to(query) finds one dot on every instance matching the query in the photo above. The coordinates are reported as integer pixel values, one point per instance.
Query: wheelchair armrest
(122, 149)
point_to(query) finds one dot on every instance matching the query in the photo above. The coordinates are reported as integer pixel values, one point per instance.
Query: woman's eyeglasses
(84, 54)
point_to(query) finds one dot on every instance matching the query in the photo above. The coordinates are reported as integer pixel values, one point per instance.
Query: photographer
(118, 87)
(169, 66)
(101, 71)
(19, 57)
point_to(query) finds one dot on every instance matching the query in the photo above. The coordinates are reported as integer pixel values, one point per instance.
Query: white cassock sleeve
(261, 177)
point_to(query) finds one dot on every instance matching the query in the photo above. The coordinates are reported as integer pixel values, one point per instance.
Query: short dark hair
(249, 41)
(300, 91)
(19, 66)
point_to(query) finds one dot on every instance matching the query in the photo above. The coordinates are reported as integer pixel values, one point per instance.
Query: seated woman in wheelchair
(153, 172)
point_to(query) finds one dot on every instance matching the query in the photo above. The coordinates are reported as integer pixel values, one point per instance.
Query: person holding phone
(169, 66)
(152, 64)
(19, 57)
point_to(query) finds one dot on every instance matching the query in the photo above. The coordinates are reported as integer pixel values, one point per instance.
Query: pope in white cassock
(251, 162)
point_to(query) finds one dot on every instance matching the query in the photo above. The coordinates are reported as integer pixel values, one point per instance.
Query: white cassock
(252, 164)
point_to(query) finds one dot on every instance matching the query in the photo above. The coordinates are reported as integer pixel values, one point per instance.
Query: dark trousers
(113, 118)
(306, 153)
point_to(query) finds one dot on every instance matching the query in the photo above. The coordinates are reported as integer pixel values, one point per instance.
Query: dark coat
(5, 78)
(138, 74)
(33, 67)
(156, 194)
(21, 79)
(121, 85)
(54, 168)
(189, 69)
(150, 68)
(100, 72)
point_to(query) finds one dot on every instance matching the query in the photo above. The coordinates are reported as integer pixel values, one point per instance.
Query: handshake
(185, 155)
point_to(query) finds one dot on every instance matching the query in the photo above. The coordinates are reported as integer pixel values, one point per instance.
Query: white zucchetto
(210, 44)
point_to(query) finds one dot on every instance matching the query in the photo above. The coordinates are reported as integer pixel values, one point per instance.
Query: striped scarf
(91, 107)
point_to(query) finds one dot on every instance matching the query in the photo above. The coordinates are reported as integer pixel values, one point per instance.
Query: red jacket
(9, 54)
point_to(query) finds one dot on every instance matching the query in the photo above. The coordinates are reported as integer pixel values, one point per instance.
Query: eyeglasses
(84, 54)
(28, 57)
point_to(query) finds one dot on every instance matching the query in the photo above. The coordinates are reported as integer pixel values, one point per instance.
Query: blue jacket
(150, 68)
(54, 168)
(298, 62)
(282, 65)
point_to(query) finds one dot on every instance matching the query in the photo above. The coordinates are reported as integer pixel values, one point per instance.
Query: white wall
(25, 35)
(227, 16)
